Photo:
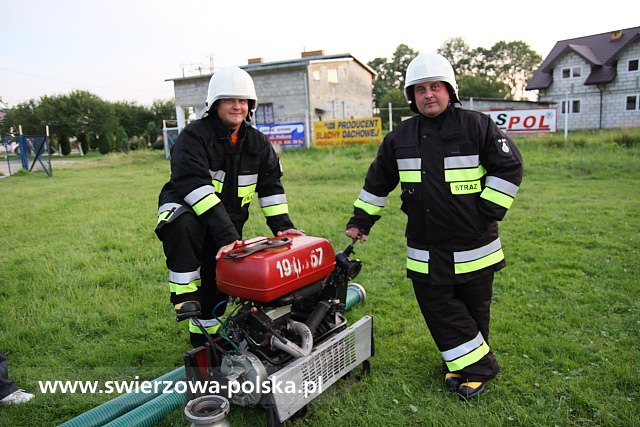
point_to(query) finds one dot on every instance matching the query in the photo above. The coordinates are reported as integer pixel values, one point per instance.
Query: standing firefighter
(459, 175)
(217, 165)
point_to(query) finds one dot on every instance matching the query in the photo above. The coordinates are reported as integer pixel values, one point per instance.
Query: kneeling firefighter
(459, 174)
(217, 165)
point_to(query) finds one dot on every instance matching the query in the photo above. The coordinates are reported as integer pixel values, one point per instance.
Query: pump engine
(285, 338)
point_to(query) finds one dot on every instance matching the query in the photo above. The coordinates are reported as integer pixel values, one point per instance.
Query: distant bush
(65, 145)
(106, 143)
(122, 140)
(137, 143)
(158, 145)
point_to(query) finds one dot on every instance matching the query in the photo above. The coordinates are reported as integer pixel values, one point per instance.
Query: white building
(594, 79)
(307, 89)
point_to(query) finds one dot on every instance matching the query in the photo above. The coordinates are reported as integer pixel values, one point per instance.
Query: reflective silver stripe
(409, 164)
(244, 180)
(502, 185)
(217, 175)
(276, 199)
(184, 278)
(461, 162)
(418, 254)
(463, 349)
(167, 207)
(207, 323)
(198, 194)
(367, 197)
(465, 256)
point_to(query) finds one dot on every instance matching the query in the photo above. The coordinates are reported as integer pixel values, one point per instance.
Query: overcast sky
(125, 50)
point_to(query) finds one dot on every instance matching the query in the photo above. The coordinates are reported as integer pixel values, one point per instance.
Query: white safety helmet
(231, 82)
(429, 67)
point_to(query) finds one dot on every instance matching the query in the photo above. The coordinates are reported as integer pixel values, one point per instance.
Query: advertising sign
(284, 135)
(335, 133)
(525, 121)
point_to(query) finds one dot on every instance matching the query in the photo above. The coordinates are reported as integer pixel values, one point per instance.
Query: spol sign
(525, 121)
(334, 133)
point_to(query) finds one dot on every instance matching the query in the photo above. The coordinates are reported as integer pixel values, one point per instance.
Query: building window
(573, 105)
(332, 75)
(633, 103)
(264, 114)
(633, 65)
(316, 75)
(568, 73)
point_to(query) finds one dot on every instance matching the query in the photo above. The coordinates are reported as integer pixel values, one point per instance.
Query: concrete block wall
(601, 106)
(351, 96)
(285, 90)
(289, 90)
(615, 114)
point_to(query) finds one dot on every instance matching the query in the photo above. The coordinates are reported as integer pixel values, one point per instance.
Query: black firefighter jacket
(459, 175)
(217, 180)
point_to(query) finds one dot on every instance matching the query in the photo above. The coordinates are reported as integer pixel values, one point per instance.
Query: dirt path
(15, 165)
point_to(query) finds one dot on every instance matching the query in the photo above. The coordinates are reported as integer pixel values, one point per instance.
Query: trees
(512, 63)
(132, 117)
(96, 124)
(498, 72)
(390, 73)
(388, 86)
(501, 71)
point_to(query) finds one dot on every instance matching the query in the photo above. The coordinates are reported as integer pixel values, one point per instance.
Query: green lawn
(83, 293)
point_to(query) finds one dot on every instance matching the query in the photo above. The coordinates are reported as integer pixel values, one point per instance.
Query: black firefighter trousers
(188, 248)
(455, 314)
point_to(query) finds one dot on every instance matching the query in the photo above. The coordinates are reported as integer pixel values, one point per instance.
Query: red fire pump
(286, 340)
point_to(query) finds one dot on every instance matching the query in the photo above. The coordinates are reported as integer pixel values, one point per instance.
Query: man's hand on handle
(355, 234)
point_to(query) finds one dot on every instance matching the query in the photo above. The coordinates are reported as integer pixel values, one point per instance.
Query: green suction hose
(152, 412)
(355, 294)
(120, 405)
(147, 409)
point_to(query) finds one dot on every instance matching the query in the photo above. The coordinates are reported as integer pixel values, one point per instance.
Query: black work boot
(470, 389)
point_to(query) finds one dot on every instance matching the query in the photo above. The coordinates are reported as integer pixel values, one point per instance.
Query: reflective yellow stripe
(275, 210)
(497, 197)
(368, 207)
(245, 191)
(164, 216)
(218, 186)
(418, 260)
(453, 175)
(466, 187)
(246, 194)
(166, 210)
(210, 329)
(480, 263)
(217, 180)
(410, 176)
(205, 204)
(469, 358)
(417, 266)
(184, 289)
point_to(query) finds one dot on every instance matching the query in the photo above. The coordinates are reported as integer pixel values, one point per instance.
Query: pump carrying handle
(350, 248)
(248, 250)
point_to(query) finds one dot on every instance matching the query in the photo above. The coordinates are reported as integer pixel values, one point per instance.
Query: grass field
(83, 294)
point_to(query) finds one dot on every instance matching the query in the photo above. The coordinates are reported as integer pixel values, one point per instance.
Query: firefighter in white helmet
(218, 164)
(459, 174)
